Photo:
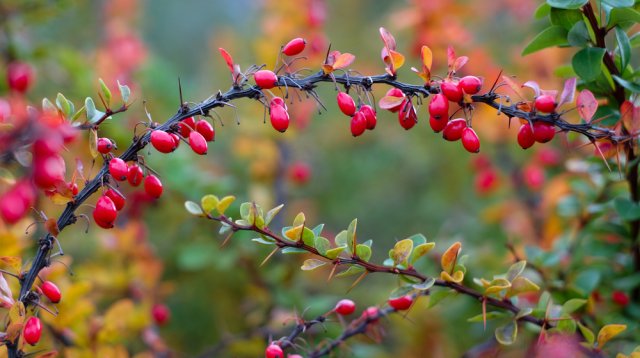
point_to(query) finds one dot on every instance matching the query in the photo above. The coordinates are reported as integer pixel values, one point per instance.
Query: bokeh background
(395, 182)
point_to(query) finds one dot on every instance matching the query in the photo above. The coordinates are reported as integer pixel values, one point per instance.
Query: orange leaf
(459, 62)
(52, 226)
(344, 60)
(513, 85)
(587, 105)
(450, 257)
(427, 58)
(227, 58)
(12, 262)
(388, 102)
(397, 60)
(627, 116)
(327, 69)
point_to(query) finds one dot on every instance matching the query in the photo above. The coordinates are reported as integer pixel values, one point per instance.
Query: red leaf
(587, 105)
(630, 116)
(451, 56)
(344, 60)
(227, 58)
(568, 92)
(513, 85)
(387, 38)
(534, 86)
(388, 102)
(459, 62)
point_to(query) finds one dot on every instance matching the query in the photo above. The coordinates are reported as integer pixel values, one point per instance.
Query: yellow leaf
(401, 251)
(397, 59)
(521, 285)
(224, 203)
(299, 219)
(608, 332)
(209, 202)
(17, 312)
(93, 143)
(427, 58)
(12, 262)
(449, 258)
(457, 277)
(59, 199)
(295, 233)
(497, 285)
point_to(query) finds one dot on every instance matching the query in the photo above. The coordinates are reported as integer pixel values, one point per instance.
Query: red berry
(533, 177)
(485, 180)
(153, 186)
(300, 172)
(294, 46)
(370, 116)
(407, 116)
(117, 198)
(620, 298)
(265, 79)
(206, 129)
(19, 76)
(453, 129)
(543, 132)
(46, 146)
(163, 141)
(437, 124)
(346, 104)
(277, 101)
(401, 303)
(105, 145)
(470, 84)
(49, 171)
(15, 202)
(273, 351)
(439, 107)
(198, 143)
(118, 169)
(545, 103)
(279, 118)
(470, 140)
(525, 136)
(548, 156)
(451, 90)
(105, 212)
(32, 330)
(186, 126)
(358, 124)
(160, 314)
(51, 291)
(135, 174)
(396, 92)
(345, 307)
(176, 139)
(371, 313)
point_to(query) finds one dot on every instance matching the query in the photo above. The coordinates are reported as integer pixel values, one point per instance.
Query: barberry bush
(496, 187)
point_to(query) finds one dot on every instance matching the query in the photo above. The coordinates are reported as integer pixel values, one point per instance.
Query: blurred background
(396, 182)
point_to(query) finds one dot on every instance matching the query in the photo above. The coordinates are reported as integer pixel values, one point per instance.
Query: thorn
(357, 281)
(269, 256)
(333, 271)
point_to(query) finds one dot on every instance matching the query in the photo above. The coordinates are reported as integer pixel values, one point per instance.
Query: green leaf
(106, 92)
(588, 334)
(635, 40)
(627, 283)
(516, 269)
(624, 48)
(47, 106)
(578, 35)
(245, 209)
(224, 228)
(506, 334)
(193, 208)
(125, 92)
(401, 251)
(351, 234)
(542, 11)
(627, 209)
(490, 315)
(293, 250)
(353, 270)
(567, 4)
(587, 280)
(363, 252)
(335, 252)
(311, 264)
(308, 237)
(631, 86)
(318, 229)
(93, 115)
(588, 63)
(566, 326)
(551, 36)
(421, 250)
(64, 105)
(427, 284)
(623, 15)
(272, 213)
(438, 296)
(573, 305)
(299, 219)
(322, 245)
(565, 18)
(209, 203)
(264, 240)
(341, 239)
(618, 3)
(418, 239)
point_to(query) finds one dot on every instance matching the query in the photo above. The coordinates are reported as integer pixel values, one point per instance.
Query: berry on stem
(370, 116)
(51, 291)
(19, 76)
(401, 303)
(439, 107)
(470, 84)
(163, 141)
(358, 124)
(346, 104)
(206, 129)
(543, 132)
(49, 171)
(198, 143)
(153, 186)
(118, 169)
(470, 140)
(279, 117)
(294, 47)
(32, 330)
(186, 126)
(135, 174)
(345, 307)
(545, 103)
(105, 212)
(451, 90)
(105, 145)
(371, 313)
(453, 129)
(265, 79)
(117, 198)
(525, 136)
(274, 351)
(407, 116)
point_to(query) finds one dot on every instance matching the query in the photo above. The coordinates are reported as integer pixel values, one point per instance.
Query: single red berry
(160, 314)
(279, 118)
(525, 136)
(273, 351)
(206, 129)
(46, 146)
(163, 141)
(401, 303)
(135, 174)
(105, 145)
(118, 169)
(549, 156)
(370, 116)
(439, 107)
(346, 104)
(294, 46)
(438, 124)
(32, 330)
(620, 298)
(545, 103)
(105, 212)
(117, 198)
(533, 176)
(543, 132)
(371, 313)
(49, 171)
(451, 90)
(176, 139)
(277, 101)
(15, 202)
(198, 143)
(345, 307)
(51, 291)
(358, 124)
(470, 140)
(265, 79)
(396, 92)
(300, 172)
(470, 84)
(19, 76)
(485, 180)
(407, 117)
(186, 126)
(153, 186)
(453, 129)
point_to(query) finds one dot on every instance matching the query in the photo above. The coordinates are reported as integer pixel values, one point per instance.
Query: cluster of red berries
(196, 133)
(32, 329)
(361, 119)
